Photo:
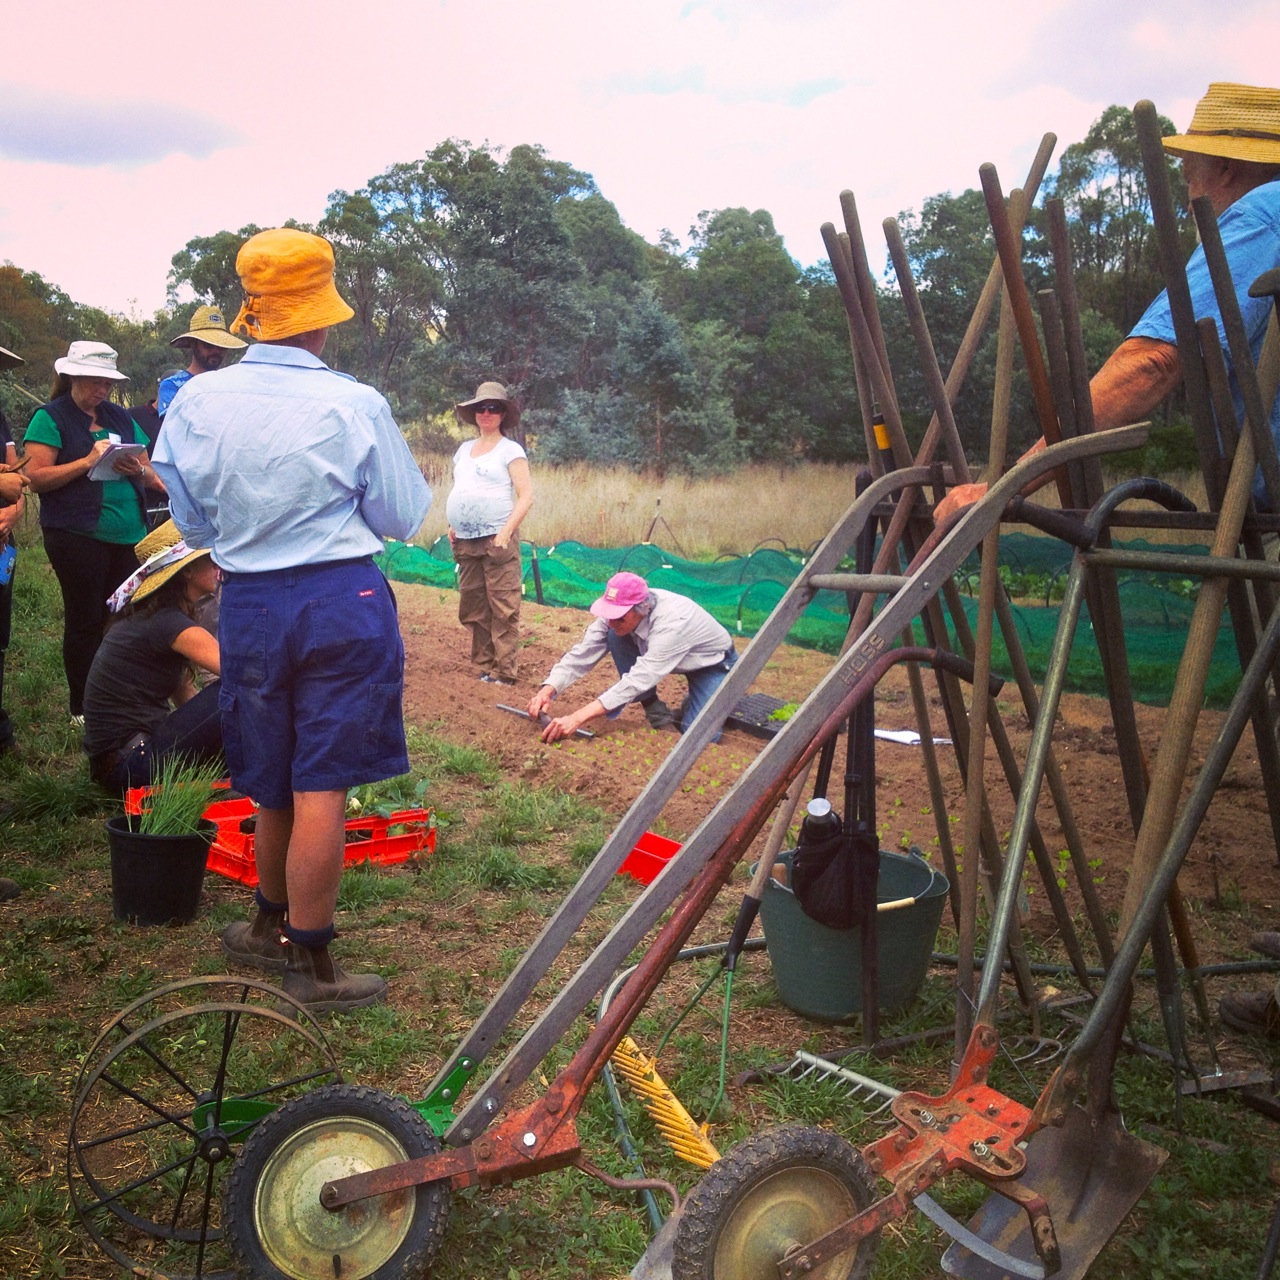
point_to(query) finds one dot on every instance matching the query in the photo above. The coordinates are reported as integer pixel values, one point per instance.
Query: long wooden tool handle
(1009, 249)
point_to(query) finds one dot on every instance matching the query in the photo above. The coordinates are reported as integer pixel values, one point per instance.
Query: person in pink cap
(649, 634)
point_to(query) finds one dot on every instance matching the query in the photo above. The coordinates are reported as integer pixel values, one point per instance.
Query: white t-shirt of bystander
(483, 495)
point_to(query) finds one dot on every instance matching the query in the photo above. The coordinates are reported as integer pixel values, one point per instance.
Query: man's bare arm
(1138, 374)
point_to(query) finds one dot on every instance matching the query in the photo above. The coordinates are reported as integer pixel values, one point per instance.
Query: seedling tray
(370, 837)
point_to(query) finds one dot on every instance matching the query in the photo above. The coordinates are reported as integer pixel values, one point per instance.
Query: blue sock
(265, 905)
(312, 939)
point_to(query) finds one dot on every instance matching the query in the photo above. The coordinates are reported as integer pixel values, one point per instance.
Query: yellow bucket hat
(287, 277)
(1238, 121)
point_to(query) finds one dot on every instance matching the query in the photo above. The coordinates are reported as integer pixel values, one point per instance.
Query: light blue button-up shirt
(280, 461)
(1250, 231)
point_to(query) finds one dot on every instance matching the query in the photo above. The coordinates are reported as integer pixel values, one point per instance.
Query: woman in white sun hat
(89, 525)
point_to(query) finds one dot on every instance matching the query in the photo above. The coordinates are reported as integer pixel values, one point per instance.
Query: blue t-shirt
(169, 387)
(1250, 230)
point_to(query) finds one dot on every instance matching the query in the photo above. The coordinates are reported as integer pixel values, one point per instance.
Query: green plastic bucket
(818, 970)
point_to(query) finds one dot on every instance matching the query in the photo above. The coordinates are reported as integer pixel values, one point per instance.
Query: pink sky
(131, 128)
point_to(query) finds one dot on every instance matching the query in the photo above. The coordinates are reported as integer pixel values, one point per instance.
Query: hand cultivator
(329, 1181)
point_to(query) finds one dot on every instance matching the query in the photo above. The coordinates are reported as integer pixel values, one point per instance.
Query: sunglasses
(491, 406)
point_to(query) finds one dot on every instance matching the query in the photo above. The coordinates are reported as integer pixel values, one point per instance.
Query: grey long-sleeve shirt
(676, 635)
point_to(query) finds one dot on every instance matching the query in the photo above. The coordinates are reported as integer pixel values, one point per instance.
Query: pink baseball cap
(622, 592)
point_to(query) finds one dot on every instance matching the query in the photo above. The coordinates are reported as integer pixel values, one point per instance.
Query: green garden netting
(741, 591)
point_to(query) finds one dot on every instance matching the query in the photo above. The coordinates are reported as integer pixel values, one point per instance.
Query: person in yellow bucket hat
(1231, 154)
(206, 343)
(292, 474)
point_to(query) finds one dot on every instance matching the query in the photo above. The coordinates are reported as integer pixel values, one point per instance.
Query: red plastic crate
(368, 836)
(651, 854)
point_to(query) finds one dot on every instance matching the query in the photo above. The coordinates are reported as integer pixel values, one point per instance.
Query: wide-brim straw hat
(287, 277)
(161, 538)
(207, 325)
(485, 392)
(90, 360)
(1238, 121)
(9, 359)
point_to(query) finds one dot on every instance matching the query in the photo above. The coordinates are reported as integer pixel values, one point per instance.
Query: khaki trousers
(489, 602)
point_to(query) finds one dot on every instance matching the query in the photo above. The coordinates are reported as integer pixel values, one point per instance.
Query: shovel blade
(1091, 1172)
(656, 1261)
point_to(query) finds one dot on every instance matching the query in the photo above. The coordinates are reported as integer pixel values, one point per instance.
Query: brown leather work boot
(258, 943)
(1268, 943)
(316, 982)
(1254, 1013)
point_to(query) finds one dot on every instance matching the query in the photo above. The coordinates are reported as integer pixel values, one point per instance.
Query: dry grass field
(699, 518)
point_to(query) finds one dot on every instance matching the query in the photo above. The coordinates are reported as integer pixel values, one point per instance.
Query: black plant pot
(157, 879)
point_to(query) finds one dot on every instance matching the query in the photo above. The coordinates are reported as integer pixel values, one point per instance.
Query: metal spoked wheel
(776, 1191)
(170, 1089)
(277, 1228)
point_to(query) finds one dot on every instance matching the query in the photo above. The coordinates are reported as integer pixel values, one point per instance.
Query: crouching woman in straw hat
(141, 703)
(491, 495)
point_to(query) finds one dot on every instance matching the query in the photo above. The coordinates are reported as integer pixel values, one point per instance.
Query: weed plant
(181, 790)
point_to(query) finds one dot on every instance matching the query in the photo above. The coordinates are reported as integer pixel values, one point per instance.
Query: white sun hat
(90, 360)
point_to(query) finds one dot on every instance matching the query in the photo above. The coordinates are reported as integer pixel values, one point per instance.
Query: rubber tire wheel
(730, 1195)
(370, 1110)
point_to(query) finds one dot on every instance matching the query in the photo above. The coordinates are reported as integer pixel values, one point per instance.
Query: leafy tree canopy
(475, 262)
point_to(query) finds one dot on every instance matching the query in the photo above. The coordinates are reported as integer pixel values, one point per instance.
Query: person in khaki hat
(1231, 154)
(207, 343)
(293, 475)
(492, 493)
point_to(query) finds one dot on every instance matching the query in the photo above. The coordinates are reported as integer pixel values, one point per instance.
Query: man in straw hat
(649, 634)
(1231, 154)
(207, 343)
(293, 474)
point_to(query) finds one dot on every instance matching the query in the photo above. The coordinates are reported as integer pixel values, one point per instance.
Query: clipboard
(105, 467)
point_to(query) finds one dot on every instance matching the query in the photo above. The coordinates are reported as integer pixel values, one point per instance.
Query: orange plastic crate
(650, 855)
(369, 836)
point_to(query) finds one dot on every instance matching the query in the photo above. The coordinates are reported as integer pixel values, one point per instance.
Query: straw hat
(164, 538)
(287, 276)
(90, 360)
(9, 359)
(207, 325)
(1238, 121)
(485, 392)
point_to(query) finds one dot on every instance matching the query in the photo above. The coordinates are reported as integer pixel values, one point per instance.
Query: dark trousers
(192, 731)
(88, 571)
